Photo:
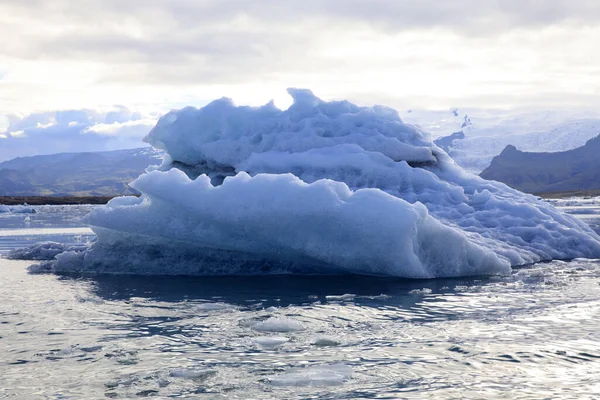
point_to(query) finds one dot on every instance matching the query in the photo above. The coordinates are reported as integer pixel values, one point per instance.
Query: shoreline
(97, 200)
(54, 200)
(568, 194)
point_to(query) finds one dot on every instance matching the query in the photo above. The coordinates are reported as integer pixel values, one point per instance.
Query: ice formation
(24, 209)
(323, 187)
(43, 251)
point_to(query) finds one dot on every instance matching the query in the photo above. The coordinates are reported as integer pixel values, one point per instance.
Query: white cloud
(74, 131)
(127, 128)
(156, 54)
(17, 134)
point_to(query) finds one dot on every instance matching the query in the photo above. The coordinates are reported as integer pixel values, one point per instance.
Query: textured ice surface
(43, 251)
(323, 187)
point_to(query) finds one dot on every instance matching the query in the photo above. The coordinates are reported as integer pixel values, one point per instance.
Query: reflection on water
(534, 334)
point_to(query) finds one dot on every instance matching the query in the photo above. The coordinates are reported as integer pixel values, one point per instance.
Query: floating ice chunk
(420, 291)
(43, 251)
(326, 375)
(24, 209)
(46, 267)
(279, 324)
(343, 297)
(378, 297)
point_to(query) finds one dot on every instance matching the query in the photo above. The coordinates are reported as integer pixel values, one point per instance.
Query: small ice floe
(270, 341)
(24, 209)
(279, 324)
(325, 341)
(44, 251)
(420, 291)
(379, 297)
(192, 373)
(343, 297)
(41, 268)
(323, 375)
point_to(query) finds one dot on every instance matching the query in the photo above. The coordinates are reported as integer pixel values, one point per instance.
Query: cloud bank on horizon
(73, 131)
(74, 54)
(153, 55)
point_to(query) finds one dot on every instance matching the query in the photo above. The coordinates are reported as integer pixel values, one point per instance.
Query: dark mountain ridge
(571, 170)
(105, 173)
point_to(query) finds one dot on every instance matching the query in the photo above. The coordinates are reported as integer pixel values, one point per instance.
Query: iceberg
(319, 188)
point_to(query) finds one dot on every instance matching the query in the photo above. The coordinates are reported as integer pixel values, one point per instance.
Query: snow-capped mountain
(473, 137)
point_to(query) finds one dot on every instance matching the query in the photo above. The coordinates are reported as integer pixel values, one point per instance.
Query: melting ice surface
(323, 187)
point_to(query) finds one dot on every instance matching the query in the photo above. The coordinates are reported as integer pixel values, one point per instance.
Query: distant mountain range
(104, 173)
(479, 136)
(572, 170)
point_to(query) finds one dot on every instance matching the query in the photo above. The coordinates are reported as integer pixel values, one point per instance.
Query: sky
(68, 57)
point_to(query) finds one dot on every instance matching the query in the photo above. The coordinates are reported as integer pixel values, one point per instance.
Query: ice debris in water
(43, 251)
(24, 209)
(322, 187)
(279, 324)
(325, 375)
(420, 291)
(343, 297)
(270, 341)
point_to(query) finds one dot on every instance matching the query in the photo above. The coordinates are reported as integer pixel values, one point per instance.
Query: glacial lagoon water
(532, 335)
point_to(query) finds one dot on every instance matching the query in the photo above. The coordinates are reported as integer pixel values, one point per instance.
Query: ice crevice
(322, 187)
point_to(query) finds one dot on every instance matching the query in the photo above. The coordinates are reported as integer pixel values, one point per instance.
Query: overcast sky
(153, 55)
